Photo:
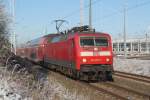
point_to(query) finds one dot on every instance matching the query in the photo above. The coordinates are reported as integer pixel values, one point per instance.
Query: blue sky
(33, 17)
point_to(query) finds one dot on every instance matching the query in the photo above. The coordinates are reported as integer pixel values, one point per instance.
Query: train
(80, 52)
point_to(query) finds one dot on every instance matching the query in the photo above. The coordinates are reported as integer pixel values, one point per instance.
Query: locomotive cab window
(93, 41)
(86, 41)
(101, 41)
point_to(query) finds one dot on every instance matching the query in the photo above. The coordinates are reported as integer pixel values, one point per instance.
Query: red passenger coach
(80, 53)
(34, 50)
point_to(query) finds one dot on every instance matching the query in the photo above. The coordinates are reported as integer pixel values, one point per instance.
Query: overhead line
(138, 5)
(76, 11)
(128, 9)
(111, 14)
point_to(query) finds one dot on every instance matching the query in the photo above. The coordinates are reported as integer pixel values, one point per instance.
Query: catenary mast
(124, 30)
(90, 14)
(81, 13)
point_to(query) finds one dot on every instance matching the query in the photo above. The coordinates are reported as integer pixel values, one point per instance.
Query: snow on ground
(135, 66)
(63, 93)
(19, 87)
(7, 91)
(22, 87)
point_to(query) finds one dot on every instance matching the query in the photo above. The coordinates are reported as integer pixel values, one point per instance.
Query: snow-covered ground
(13, 87)
(20, 87)
(135, 66)
(7, 92)
(7, 88)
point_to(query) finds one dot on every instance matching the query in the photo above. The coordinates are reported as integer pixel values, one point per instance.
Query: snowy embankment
(135, 66)
(21, 86)
(7, 92)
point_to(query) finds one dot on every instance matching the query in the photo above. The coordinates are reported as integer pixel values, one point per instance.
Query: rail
(106, 91)
(136, 77)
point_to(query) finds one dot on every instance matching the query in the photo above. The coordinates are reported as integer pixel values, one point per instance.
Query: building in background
(134, 46)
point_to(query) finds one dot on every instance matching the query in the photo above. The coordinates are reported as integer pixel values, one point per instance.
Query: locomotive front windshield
(93, 41)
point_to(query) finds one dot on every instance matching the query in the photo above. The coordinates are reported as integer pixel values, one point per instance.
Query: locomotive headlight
(84, 60)
(95, 49)
(107, 59)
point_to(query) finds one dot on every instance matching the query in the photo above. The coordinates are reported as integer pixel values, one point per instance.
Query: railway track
(100, 89)
(136, 77)
(122, 92)
(119, 92)
(114, 91)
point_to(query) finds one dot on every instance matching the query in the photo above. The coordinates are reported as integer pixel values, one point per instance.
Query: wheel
(109, 76)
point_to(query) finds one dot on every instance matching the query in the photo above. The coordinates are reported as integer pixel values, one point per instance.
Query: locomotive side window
(63, 37)
(49, 40)
(56, 39)
(93, 41)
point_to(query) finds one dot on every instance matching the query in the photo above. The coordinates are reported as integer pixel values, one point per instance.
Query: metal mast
(90, 14)
(11, 39)
(124, 31)
(13, 30)
(147, 48)
(81, 13)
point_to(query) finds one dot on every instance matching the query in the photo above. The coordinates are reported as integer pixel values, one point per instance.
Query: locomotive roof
(42, 39)
(72, 32)
(38, 40)
(49, 35)
(87, 33)
(92, 33)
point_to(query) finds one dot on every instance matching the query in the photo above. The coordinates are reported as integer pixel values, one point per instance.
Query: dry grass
(34, 86)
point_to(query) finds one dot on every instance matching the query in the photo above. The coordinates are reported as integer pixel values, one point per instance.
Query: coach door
(71, 51)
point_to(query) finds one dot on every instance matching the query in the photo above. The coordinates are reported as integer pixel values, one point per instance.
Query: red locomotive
(79, 53)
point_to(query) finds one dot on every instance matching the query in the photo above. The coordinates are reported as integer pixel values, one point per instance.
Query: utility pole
(124, 30)
(59, 24)
(11, 42)
(147, 48)
(13, 34)
(81, 13)
(90, 14)
(13, 13)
